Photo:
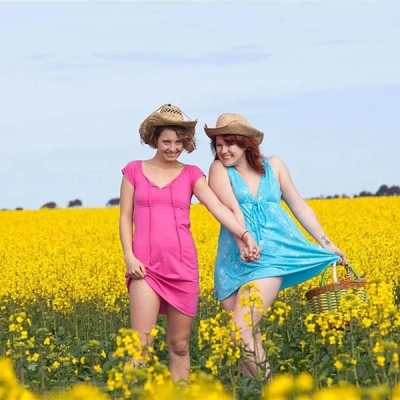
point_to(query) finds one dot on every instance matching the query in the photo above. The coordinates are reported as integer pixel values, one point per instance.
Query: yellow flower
(98, 368)
(310, 328)
(338, 365)
(304, 382)
(280, 386)
(154, 332)
(367, 322)
(34, 357)
(380, 361)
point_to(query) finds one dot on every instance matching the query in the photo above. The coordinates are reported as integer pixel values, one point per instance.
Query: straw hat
(166, 115)
(234, 124)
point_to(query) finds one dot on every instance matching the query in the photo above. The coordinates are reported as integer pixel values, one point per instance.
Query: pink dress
(162, 239)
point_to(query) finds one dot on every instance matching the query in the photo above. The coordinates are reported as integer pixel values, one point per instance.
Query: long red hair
(250, 146)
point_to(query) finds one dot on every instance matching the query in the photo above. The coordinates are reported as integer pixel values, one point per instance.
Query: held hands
(251, 252)
(135, 268)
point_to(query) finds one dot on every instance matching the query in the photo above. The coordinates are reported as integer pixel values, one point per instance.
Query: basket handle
(349, 272)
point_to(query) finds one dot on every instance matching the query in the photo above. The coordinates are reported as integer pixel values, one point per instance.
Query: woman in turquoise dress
(253, 187)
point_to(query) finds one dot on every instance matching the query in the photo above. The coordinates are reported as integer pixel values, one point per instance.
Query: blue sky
(320, 78)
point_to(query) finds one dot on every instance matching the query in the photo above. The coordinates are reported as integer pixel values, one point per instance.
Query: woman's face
(228, 154)
(169, 145)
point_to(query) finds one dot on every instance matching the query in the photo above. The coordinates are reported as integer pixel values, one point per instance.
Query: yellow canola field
(64, 257)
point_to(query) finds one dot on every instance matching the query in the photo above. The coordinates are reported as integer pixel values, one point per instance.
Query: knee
(179, 347)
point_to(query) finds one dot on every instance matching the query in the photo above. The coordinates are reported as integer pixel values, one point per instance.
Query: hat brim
(235, 128)
(155, 120)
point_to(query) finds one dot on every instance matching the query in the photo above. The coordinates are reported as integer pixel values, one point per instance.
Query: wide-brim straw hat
(234, 124)
(166, 115)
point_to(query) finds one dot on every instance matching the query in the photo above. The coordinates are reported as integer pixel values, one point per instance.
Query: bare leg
(144, 308)
(251, 336)
(263, 373)
(178, 337)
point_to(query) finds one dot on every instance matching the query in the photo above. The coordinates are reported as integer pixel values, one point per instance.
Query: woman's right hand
(135, 268)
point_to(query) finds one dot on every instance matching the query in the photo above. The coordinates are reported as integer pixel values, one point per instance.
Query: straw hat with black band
(234, 124)
(166, 115)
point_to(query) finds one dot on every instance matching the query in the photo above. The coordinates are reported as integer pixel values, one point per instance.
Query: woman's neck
(156, 162)
(243, 167)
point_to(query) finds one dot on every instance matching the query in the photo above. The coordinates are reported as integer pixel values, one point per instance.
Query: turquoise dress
(285, 251)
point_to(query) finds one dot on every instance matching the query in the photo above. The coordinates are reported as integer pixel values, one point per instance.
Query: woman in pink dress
(161, 260)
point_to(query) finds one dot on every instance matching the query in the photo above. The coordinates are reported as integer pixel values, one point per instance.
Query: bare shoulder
(217, 164)
(217, 167)
(280, 169)
(277, 163)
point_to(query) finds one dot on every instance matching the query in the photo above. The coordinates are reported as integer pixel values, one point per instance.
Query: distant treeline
(384, 190)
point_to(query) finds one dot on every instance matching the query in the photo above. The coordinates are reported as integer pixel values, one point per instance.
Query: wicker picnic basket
(326, 297)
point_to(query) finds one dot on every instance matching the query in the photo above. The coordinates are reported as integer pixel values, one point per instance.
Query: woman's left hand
(252, 251)
(246, 255)
(343, 259)
(331, 247)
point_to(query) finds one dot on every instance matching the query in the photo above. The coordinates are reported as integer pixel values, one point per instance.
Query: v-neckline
(167, 184)
(247, 185)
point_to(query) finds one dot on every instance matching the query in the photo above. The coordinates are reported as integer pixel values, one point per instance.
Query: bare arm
(225, 216)
(220, 184)
(133, 266)
(300, 209)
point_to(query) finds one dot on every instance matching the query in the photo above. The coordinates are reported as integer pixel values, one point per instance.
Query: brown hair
(250, 146)
(189, 143)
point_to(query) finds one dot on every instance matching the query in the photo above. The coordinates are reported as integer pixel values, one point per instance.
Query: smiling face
(169, 145)
(230, 154)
